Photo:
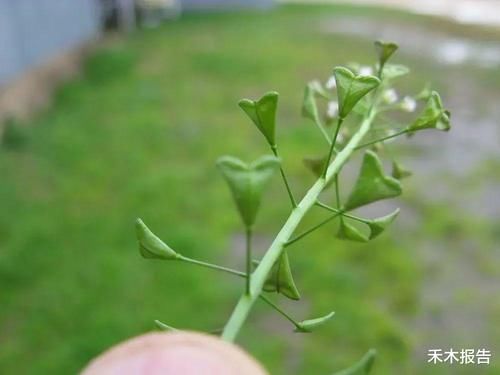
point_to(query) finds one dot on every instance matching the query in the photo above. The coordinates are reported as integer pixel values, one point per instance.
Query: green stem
(274, 148)
(332, 145)
(323, 130)
(232, 272)
(337, 193)
(340, 212)
(382, 139)
(310, 230)
(380, 70)
(248, 236)
(259, 276)
(211, 266)
(278, 309)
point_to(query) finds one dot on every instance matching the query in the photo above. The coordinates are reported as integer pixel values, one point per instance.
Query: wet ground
(458, 307)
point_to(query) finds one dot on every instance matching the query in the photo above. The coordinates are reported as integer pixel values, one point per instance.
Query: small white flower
(331, 83)
(333, 109)
(390, 96)
(408, 104)
(365, 71)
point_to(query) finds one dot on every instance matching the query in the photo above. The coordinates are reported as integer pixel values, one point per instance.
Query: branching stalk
(211, 266)
(259, 276)
(397, 134)
(279, 310)
(340, 212)
(274, 148)
(310, 230)
(332, 145)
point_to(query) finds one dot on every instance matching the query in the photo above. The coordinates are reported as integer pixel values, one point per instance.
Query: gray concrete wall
(33, 31)
(224, 4)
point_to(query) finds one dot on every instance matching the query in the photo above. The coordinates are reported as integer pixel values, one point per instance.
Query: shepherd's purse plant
(360, 103)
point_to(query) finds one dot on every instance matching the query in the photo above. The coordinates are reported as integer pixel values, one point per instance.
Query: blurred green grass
(137, 135)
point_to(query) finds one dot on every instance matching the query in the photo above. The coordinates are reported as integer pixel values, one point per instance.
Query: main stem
(248, 237)
(246, 301)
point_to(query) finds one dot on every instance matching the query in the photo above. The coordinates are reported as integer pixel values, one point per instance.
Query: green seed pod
(377, 226)
(151, 246)
(164, 327)
(312, 324)
(434, 116)
(384, 51)
(399, 172)
(351, 88)
(372, 184)
(309, 105)
(247, 182)
(348, 232)
(280, 279)
(393, 71)
(263, 114)
(363, 367)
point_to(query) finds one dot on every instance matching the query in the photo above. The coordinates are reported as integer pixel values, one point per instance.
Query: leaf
(372, 185)
(280, 279)
(164, 327)
(309, 105)
(247, 182)
(363, 367)
(399, 172)
(351, 88)
(263, 114)
(348, 232)
(377, 226)
(384, 51)
(392, 71)
(312, 324)
(151, 246)
(433, 116)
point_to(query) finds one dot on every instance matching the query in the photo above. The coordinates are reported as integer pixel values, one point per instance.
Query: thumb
(174, 353)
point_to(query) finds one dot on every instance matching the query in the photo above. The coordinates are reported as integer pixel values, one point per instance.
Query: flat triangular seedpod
(434, 116)
(351, 88)
(309, 105)
(280, 279)
(392, 71)
(317, 166)
(378, 225)
(348, 232)
(384, 51)
(164, 327)
(372, 185)
(311, 324)
(363, 367)
(150, 245)
(399, 172)
(263, 114)
(247, 182)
